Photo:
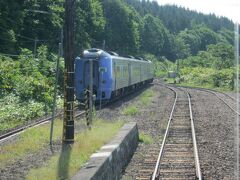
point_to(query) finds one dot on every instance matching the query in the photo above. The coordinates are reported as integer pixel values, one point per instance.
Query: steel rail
(157, 167)
(199, 88)
(215, 93)
(223, 101)
(196, 157)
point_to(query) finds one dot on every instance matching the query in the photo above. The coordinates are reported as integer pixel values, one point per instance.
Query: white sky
(227, 8)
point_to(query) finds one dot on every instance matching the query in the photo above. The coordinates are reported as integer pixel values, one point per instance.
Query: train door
(94, 75)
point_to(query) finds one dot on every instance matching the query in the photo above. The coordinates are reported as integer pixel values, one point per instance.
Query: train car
(113, 75)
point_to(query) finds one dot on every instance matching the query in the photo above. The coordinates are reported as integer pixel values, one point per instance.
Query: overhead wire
(30, 39)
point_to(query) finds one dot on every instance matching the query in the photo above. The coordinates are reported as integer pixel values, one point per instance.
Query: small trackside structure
(109, 162)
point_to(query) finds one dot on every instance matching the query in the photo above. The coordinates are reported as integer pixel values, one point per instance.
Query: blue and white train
(113, 75)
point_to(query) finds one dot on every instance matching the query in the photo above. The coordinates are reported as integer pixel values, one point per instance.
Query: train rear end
(101, 75)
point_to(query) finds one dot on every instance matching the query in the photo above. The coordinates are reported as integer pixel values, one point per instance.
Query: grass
(197, 85)
(145, 138)
(65, 164)
(30, 141)
(130, 110)
(146, 97)
(206, 86)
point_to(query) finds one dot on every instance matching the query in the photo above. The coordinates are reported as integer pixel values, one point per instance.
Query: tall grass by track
(36, 139)
(130, 110)
(145, 138)
(65, 164)
(145, 97)
(14, 112)
(198, 85)
(30, 141)
(206, 86)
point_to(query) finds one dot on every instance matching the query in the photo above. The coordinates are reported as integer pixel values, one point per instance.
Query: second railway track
(228, 100)
(19, 130)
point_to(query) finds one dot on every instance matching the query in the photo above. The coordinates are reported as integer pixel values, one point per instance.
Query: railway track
(228, 100)
(19, 130)
(177, 158)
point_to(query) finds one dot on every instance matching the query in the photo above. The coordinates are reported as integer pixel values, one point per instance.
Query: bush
(208, 77)
(224, 78)
(27, 86)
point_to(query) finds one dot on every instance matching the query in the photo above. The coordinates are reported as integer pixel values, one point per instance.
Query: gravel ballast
(214, 125)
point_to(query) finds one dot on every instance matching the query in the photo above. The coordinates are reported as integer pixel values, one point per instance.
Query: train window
(125, 70)
(118, 72)
(121, 72)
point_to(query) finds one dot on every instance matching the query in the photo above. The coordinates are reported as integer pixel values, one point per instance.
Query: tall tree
(90, 24)
(122, 31)
(11, 19)
(154, 35)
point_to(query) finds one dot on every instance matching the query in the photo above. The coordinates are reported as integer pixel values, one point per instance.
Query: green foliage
(163, 67)
(197, 75)
(217, 56)
(190, 41)
(176, 18)
(122, 31)
(146, 139)
(212, 68)
(130, 110)
(182, 50)
(153, 35)
(90, 24)
(224, 78)
(208, 77)
(13, 112)
(224, 54)
(26, 87)
(145, 97)
(226, 35)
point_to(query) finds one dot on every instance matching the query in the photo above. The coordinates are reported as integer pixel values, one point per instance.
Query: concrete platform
(109, 162)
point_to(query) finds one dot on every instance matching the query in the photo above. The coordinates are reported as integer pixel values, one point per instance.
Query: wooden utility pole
(68, 124)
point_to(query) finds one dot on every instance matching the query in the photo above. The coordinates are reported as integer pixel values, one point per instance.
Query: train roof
(95, 53)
